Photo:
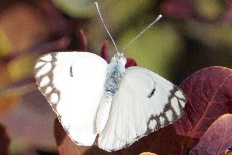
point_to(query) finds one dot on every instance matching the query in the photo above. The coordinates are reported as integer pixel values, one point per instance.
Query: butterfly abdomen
(113, 79)
(103, 113)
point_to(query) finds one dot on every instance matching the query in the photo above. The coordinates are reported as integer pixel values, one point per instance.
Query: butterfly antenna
(98, 10)
(150, 25)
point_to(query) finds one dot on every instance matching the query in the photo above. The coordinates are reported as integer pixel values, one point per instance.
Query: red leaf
(217, 139)
(104, 54)
(180, 9)
(157, 142)
(65, 145)
(209, 93)
(130, 62)
(83, 41)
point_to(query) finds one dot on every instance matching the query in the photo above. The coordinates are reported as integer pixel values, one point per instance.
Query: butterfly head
(119, 58)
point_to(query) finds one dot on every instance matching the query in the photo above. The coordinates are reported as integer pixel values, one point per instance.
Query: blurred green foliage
(4, 43)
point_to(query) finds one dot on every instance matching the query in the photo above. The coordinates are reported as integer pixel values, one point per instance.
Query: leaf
(227, 16)
(76, 8)
(157, 49)
(155, 142)
(58, 24)
(4, 141)
(20, 68)
(217, 139)
(82, 41)
(23, 26)
(104, 51)
(8, 101)
(104, 54)
(5, 45)
(209, 9)
(31, 112)
(180, 9)
(209, 93)
(130, 62)
(65, 145)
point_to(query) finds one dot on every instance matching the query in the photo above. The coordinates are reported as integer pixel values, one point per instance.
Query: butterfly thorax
(113, 78)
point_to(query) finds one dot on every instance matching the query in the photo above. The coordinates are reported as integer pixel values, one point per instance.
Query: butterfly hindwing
(73, 84)
(143, 103)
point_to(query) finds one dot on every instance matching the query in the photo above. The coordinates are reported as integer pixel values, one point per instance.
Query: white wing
(73, 84)
(143, 103)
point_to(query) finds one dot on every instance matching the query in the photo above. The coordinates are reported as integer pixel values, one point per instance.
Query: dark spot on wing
(71, 71)
(152, 93)
(153, 90)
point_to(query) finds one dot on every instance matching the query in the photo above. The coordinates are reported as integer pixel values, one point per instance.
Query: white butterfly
(91, 97)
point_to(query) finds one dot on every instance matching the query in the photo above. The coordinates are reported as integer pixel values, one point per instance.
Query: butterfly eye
(113, 59)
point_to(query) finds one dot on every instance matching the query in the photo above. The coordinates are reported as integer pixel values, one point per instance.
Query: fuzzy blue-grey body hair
(113, 78)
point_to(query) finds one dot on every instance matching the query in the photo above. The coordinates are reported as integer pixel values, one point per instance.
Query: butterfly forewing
(144, 103)
(73, 84)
